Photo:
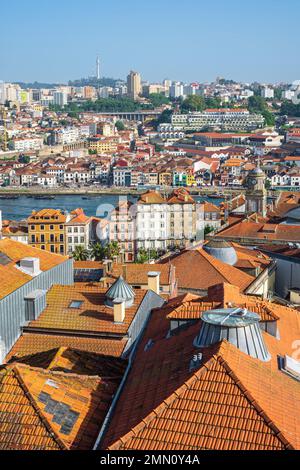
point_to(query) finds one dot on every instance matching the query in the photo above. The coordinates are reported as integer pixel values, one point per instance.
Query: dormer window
(290, 366)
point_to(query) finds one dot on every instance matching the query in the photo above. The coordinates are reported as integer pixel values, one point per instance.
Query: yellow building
(165, 178)
(102, 145)
(46, 230)
(190, 179)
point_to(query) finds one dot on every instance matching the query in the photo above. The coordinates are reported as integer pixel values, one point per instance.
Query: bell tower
(256, 193)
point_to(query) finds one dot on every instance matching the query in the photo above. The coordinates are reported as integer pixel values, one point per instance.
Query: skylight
(76, 304)
(4, 259)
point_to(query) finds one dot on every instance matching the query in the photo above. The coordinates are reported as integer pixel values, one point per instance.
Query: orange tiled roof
(232, 401)
(93, 316)
(33, 343)
(206, 271)
(219, 296)
(151, 197)
(25, 429)
(12, 278)
(137, 274)
(256, 230)
(71, 407)
(47, 216)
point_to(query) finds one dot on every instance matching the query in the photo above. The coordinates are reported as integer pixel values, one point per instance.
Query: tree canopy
(158, 99)
(290, 109)
(258, 105)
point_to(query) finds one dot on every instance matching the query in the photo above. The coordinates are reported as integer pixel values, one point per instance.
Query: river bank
(96, 191)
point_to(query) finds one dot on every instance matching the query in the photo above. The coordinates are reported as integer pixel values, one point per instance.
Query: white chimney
(153, 281)
(119, 310)
(30, 266)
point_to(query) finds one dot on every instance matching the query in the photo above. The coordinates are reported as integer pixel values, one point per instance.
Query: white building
(79, 231)
(226, 119)
(60, 98)
(68, 135)
(287, 95)
(267, 92)
(27, 144)
(296, 89)
(176, 90)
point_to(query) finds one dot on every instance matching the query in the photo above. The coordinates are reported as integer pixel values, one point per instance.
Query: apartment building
(46, 230)
(27, 144)
(102, 145)
(225, 119)
(122, 228)
(134, 87)
(166, 222)
(78, 231)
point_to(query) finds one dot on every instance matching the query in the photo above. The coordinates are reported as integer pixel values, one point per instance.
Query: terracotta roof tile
(232, 401)
(32, 343)
(93, 316)
(12, 278)
(207, 271)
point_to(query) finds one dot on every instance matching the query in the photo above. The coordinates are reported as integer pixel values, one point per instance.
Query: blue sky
(189, 40)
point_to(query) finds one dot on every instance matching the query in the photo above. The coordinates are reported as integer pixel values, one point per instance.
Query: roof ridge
(165, 403)
(216, 357)
(55, 372)
(251, 399)
(37, 409)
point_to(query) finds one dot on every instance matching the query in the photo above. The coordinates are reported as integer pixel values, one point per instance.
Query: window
(61, 249)
(42, 238)
(69, 229)
(42, 247)
(61, 238)
(76, 304)
(51, 238)
(42, 227)
(52, 248)
(32, 227)
(51, 227)
(33, 238)
(61, 227)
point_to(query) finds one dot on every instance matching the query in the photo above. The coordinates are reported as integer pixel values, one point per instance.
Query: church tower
(256, 193)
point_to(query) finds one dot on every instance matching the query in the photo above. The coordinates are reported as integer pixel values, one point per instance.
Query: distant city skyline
(195, 41)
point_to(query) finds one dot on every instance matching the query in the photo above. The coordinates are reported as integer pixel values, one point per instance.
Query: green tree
(290, 109)
(208, 229)
(258, 105)
(97, 251)
(142, 256)
(158, 99)
(80, 253)
(193, 103)
(112, 249)
(120, 125)
(212, 102)
(24, 159)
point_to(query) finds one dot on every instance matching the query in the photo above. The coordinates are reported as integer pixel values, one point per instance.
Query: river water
(21, 208)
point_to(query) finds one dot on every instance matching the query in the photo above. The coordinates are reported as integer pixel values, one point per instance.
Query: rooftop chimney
(30, 266)
(153, 281)
(119, 310)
